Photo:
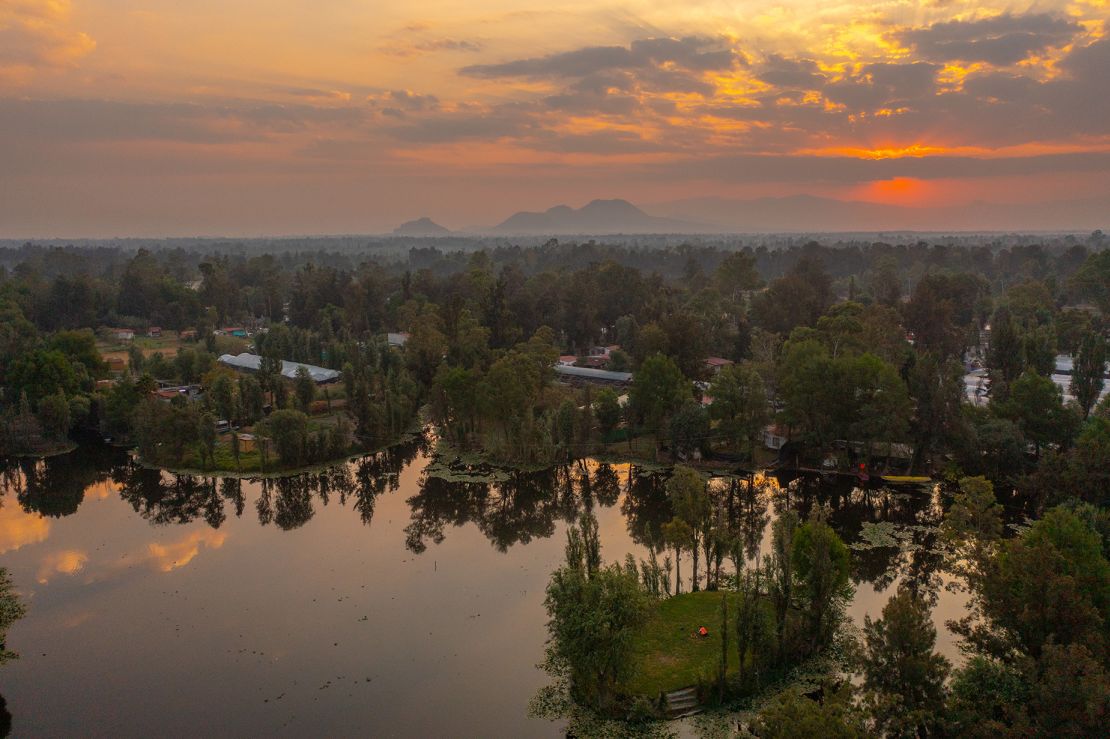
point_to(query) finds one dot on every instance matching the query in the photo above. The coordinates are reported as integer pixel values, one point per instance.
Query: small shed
(716, 364)
(246, 442)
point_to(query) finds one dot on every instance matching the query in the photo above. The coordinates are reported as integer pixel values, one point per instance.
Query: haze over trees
(860, 358)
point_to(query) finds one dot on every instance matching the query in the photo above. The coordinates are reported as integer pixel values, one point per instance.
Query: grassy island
(625, 644)
(667, 652)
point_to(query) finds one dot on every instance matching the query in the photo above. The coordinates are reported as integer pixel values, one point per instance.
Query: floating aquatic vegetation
(454, 471)
(875, 535)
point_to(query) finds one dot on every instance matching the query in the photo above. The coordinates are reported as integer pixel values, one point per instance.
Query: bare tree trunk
(677, 569)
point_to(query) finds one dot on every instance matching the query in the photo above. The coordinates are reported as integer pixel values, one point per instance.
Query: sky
(243, 117)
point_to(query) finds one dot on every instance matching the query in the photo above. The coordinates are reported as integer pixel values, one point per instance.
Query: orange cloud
(36, 34)
(65, 562)
(18, 529)
(173, 555)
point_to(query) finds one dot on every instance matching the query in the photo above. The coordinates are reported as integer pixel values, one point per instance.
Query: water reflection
(515, 508)
(71, 550)
(55, 486)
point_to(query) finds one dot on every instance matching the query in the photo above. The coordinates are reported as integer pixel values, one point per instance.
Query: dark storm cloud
(904, 81)
(588, 103)
(578, 63)
(1002, 40)
(781, 71)
(693, 54)
(1090, 63)
(884, 101)
(884, 85)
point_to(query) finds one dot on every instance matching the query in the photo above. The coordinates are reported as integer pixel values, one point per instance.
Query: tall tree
(1089, 371)
(903, 676)
(607, 409)
(822, 567)
(1006, 355)
(594, 615)
(1049, 585)
(686, 490)
(658, 391)
(305, 388)
(740, 404)
(1035, 403)
(780, 566)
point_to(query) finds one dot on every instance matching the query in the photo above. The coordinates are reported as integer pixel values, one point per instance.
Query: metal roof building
(589, 374)
(252, 363)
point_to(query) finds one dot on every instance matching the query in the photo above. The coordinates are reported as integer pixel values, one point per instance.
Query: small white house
(774, 437)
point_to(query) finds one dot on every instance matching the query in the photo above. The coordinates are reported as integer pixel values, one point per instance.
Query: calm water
(368, 599)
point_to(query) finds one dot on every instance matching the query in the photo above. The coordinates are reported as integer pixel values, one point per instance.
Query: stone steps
(682, 702)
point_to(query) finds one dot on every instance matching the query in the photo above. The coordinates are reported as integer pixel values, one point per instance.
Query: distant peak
(420, 227)
(595, 217)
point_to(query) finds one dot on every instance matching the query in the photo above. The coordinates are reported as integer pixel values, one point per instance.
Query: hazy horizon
(161, 120)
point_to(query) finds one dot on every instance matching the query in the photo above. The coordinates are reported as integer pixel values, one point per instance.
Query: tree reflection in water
(511, 508)
(287, 502)
(514, 510)
(646, 507)
(164, 498)
(523, 507)
(55, 486)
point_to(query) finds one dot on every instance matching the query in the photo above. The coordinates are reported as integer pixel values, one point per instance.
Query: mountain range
(596, 217)
(790, 214)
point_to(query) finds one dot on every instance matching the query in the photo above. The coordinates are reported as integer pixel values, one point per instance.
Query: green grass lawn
(641, 448)
(249, 461)
(669, 656)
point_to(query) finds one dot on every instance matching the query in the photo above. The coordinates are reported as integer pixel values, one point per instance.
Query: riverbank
(221, 474)
(67, 448)
(475, 465)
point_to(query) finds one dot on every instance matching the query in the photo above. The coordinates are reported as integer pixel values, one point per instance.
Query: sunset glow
(163, 118)
(899, 191)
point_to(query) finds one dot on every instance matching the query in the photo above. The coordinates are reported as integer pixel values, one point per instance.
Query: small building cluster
(253, 363)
